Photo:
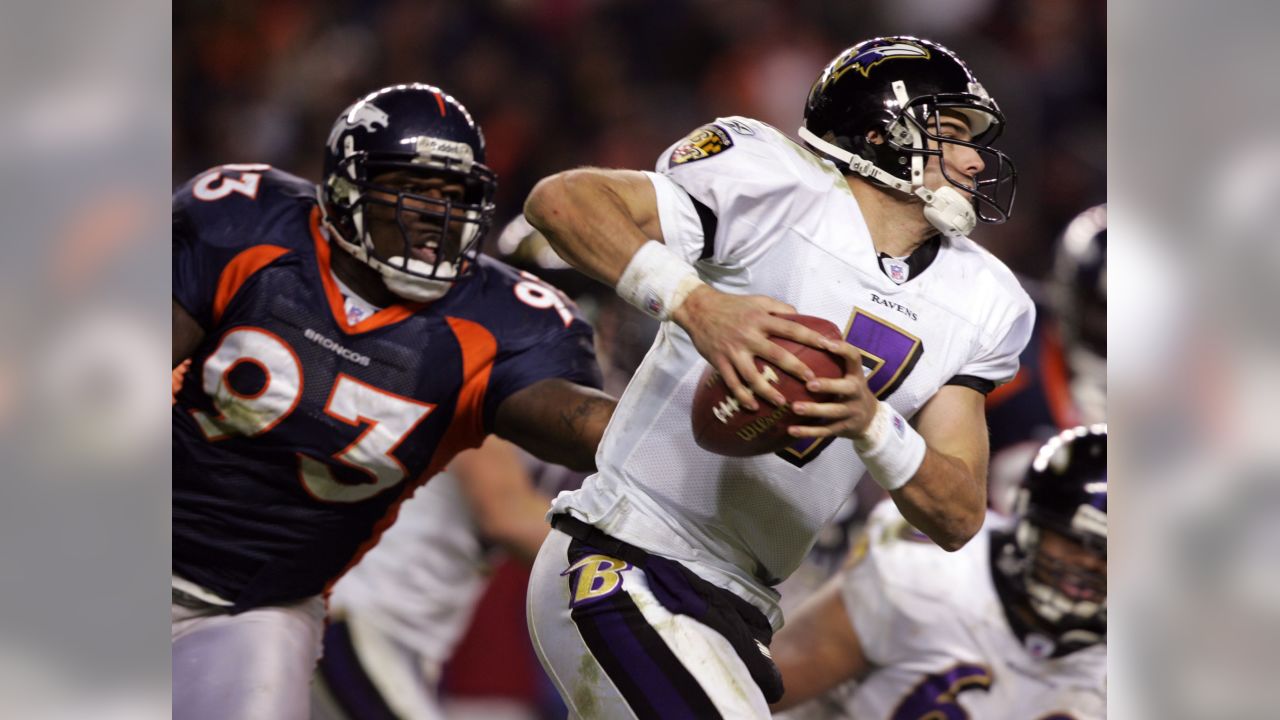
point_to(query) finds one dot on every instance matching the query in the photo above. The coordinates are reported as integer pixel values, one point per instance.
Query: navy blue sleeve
(196, 265)
(568, 354)
(219, 215)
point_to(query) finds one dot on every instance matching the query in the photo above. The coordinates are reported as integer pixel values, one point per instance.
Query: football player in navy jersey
(345, 341)
(1062, 380)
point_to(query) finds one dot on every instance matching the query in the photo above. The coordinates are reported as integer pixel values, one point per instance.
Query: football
(722, 426)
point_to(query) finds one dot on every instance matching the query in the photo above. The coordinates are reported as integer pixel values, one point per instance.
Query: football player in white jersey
(654, 595)
(1012, 626)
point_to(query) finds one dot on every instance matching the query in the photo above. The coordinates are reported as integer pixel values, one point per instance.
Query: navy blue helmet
(1064, 492)
(1079, 283)
(417, 131)
(900, 87)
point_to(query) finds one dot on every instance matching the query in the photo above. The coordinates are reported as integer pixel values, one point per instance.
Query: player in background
(654, 594)
(1062, 381)
(396, 617)
(399, 615)
(1012, 626)
(347, 340)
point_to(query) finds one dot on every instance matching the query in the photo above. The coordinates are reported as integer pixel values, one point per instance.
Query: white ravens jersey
(933, 626)
(756, 213)
(421, 582)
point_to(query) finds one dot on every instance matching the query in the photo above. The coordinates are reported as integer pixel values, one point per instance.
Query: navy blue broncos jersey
(295, 435)
(1037, 403)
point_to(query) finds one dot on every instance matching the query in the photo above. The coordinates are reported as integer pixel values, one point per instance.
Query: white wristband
(657, 280)
(891, 449)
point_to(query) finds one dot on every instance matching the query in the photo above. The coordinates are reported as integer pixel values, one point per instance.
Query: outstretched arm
(558, 421)
(601, 222)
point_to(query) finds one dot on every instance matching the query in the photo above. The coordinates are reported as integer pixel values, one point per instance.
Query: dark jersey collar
(919, 259)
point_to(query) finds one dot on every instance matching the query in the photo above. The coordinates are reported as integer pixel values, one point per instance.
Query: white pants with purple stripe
(614, 651)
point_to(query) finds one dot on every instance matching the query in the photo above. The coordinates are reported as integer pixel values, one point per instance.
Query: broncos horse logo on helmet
(363, 115)
(899, 87)
(412, 131)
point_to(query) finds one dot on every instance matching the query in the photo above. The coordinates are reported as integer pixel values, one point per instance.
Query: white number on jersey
(889, 354)
(250, 414)
(532, 291)
(216, 185)
(390, 417)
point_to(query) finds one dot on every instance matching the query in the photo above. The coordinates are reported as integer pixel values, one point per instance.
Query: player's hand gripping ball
(722, 426)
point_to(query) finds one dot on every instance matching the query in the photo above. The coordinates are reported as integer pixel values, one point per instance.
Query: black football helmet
(1078, 295)
(1064, 491)
(1079, 282)
(900, 86)
(423, 130)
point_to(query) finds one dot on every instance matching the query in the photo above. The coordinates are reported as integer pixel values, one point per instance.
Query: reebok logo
(327, 344)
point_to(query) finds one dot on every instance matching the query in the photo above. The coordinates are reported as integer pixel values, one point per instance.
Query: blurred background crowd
(561, 83)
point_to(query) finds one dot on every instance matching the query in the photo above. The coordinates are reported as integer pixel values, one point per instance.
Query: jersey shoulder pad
(983, 271)
(749, 178)
(240, 205)
(518, 307)
(749, 150)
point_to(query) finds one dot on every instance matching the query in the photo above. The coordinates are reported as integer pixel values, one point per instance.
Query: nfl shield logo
(896, 269)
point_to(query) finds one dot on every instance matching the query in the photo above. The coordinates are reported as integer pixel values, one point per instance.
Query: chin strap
(865, 168)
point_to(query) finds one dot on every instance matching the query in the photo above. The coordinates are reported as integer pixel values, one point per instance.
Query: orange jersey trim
(1057, 384)
(237, 273)
(479, 349)
(1009, 389)
(179, 375)
(387, 316)
(466, 427)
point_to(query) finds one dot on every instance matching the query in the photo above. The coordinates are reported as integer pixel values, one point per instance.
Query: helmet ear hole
(900, 133)
(862, 146)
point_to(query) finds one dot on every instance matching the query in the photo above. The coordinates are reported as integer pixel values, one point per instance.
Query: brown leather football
(722, 426)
